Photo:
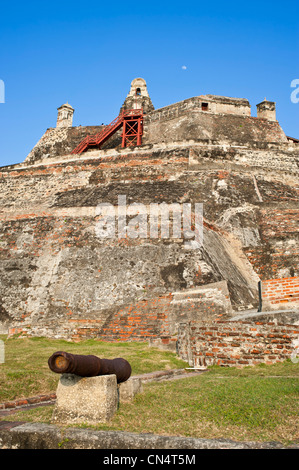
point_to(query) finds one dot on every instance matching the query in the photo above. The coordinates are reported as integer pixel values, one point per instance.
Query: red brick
(9, 404)
(21, 402)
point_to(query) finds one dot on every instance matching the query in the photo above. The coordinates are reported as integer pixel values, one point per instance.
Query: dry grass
(253, 404)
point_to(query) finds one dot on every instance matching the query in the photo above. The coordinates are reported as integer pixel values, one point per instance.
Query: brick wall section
(141, 321)
(278, 291)
(147, 319)
(157, 318)
(239, 344)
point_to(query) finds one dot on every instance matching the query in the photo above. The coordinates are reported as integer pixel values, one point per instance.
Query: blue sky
(88, 54)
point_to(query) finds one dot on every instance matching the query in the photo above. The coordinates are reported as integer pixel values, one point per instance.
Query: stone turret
(65, 116)
(138, 97)
(266, 110)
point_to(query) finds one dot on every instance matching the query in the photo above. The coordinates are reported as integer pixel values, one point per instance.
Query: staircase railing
(98, 139)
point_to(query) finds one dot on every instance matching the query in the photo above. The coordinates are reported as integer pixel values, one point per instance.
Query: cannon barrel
(89, 366)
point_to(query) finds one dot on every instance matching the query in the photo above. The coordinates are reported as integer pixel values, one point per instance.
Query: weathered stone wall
(237, 343)
(272, 157)
(216, 105)
(277, 254)
(61, 141)
(57, 276)
(154, 318)
(232, 108)
(183, 122)
(227, 121)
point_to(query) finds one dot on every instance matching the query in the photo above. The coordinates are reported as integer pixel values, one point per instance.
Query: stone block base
(90, 400)
(128, 389)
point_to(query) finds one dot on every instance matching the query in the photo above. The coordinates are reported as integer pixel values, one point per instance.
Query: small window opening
(204, 106)
(138, 91)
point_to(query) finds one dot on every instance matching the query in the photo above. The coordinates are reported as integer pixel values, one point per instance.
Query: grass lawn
(255, 403)
(25, 372)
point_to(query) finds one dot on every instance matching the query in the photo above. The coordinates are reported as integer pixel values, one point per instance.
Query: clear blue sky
(87, 53)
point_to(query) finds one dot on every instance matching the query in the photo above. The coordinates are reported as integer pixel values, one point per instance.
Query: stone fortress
(60, 280)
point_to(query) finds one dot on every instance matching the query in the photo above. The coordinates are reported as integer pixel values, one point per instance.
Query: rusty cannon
(89, 366)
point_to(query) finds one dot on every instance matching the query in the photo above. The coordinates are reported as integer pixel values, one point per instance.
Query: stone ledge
(27, 402)
(160, 375)
(47, 436)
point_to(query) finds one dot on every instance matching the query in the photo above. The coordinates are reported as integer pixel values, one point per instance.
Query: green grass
(25, 372)
(255, 403)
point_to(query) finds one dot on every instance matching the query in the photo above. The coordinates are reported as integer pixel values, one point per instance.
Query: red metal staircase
(132, 122)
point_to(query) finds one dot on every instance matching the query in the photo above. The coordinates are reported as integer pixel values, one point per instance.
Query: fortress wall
(277, 255)
(237, 343)
(280, 291)
(183, 122)
(41, 185)
(59, 141)
(232, 108)
(228, 121)
(216, 105)
(158, 317)
(37, 186)
(145, 319)
(63, 140)
(281, 158)
(174, 110)
(59, 278)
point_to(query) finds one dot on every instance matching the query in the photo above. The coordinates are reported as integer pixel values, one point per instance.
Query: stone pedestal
(90, 400)
(128, 389)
